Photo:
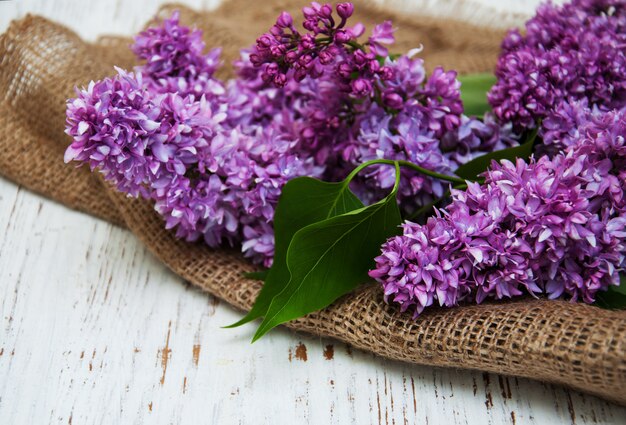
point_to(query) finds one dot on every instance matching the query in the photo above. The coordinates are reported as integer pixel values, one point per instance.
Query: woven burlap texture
(575, 345)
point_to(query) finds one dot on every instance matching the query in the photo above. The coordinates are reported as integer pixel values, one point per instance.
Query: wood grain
(96, 330)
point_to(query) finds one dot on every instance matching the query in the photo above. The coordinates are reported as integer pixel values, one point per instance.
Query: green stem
(407, 164)
(396, 184)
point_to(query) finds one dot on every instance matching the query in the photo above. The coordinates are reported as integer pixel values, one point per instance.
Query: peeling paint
(329, 352)
(165, 353)
(301, 352)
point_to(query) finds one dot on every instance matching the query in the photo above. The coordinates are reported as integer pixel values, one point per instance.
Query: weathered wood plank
(95, 330)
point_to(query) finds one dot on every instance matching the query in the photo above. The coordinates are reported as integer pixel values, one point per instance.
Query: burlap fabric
(575, 345)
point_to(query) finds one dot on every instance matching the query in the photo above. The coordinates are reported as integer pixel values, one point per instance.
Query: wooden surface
(95, 330)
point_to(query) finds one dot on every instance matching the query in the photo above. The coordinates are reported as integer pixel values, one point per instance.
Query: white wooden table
(95, 330)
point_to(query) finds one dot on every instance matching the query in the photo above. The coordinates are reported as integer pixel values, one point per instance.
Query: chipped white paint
(93, 329)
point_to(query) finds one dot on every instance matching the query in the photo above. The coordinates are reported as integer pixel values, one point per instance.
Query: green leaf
(474, 88)
(303, 201)
(615, 297)
(260, 275)
(472, 169)
(621, 289)
(330, 258)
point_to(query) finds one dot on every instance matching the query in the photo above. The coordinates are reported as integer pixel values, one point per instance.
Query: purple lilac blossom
(429, 130)
(571, 54)
(555, 226)
(285, 54)
(175, 62)
(214, 155)
(214, 175)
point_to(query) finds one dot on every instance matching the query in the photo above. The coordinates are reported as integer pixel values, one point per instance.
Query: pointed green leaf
(474, 88)
(303, 201)
(260, 275)
(472, 169)
(615, 297)
(330, 258)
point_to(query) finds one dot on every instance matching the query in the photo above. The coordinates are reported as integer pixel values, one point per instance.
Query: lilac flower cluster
(405, 115)
(214, 172)
(428, 129)
(175, 62)
(550, 225)
(214, 155)
(285, 53)
(568, 54)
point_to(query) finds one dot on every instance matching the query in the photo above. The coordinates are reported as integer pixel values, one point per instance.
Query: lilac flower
(475, 137)
(329, 45)
(403, 137)
(556, 226)
(135, 136)
(175, 62)
(428, 129)
(570, 53)
(214, 156)
(381, 34)
(209, 180)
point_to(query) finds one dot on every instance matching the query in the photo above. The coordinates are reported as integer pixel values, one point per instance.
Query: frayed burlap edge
(579, 346)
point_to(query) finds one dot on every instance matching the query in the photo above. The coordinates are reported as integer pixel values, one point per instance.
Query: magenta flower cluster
(168, 133)
(175, 61)
(284, 53)
(354, 103)
(214, 155)
(555, 226)
(568, 54)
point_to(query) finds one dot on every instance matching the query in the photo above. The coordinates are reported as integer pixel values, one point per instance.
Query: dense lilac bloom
(475, 137)
(285, 54)
(136, 136)
(214, 155)
(556, 226)
(175, 62)
(213, 164)
(428, 129)
(570, 53)
(404, 137)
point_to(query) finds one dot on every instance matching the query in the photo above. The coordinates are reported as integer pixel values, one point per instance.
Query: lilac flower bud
(264, 41)
(255, 59)
(305, 61)
(311, 25)
(386, 73)
(361, 59)
(277, 32)
(342, 36)
(361, 87)
(326, 57)
(344, 70)
(307, 42)
(393, 100)
(284, 20)
(300, 74)
(291, 57)
(280, 80)
(326, 11)
(345, 10)
(310, 12)
(373, 66)
(271, 69)
(278, 50)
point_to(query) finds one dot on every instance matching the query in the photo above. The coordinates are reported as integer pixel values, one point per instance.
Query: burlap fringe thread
(576, 345)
